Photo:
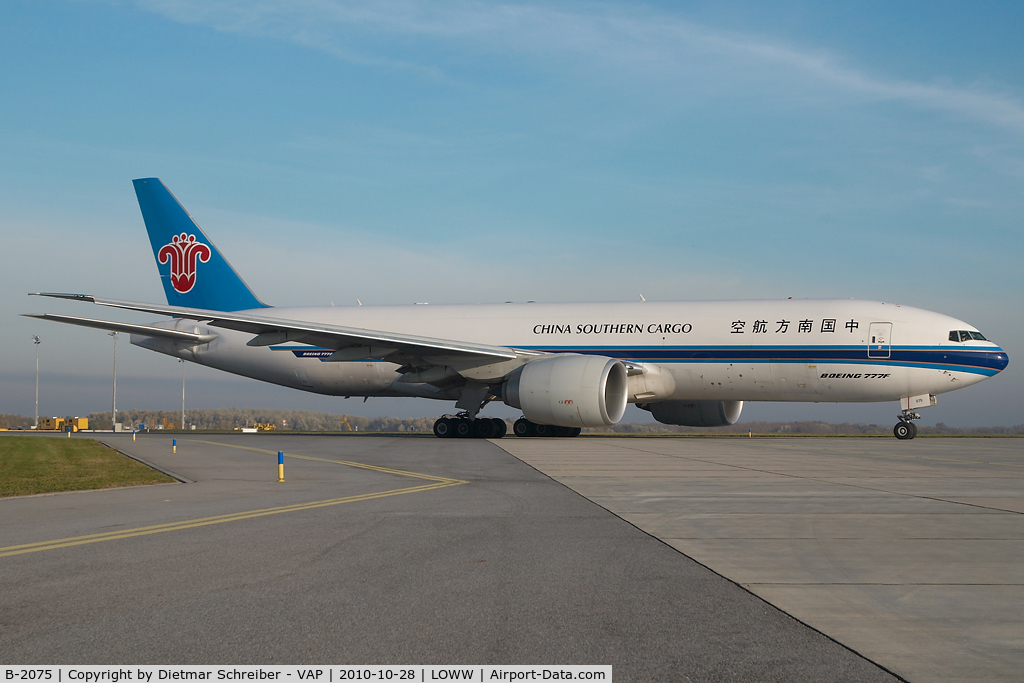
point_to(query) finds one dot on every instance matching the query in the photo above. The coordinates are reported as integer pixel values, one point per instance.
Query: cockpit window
(965, 335)
(978, 335)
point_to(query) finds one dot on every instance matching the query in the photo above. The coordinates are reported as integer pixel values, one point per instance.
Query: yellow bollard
(69, 433)
(280, 466)
(174, 445)
(133, 435)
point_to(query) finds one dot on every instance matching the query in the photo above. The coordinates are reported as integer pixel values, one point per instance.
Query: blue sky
(478, 152)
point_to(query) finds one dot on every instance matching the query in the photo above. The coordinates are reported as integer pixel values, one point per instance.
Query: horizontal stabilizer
(145, 330)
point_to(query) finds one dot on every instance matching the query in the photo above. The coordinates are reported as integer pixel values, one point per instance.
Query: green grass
(39, 464)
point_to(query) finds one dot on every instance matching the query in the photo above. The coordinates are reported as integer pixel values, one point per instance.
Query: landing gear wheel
(542, 430)
(483, 428)
(522, 427)
(904, 431)
(443, 428)
(463, 428)
(500, 428)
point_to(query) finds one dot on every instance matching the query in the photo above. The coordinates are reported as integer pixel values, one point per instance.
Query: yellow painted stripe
(437, 483)
(375, 468)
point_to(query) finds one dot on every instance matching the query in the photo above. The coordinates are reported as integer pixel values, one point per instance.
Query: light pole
(113, 407)
(35, 341)
(182, 361)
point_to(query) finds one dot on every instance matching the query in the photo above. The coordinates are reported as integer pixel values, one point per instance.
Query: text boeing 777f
(566, 366)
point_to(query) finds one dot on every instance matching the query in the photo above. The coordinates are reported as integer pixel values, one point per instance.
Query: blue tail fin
(193, 272)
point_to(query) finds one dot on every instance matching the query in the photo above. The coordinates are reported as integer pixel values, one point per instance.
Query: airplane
(566, 366)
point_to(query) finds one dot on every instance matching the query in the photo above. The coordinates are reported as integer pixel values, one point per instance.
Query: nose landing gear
(905, 429)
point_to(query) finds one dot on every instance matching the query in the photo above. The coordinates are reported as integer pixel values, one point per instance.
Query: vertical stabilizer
(193, 272)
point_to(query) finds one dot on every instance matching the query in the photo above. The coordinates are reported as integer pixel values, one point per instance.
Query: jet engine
(569, 391)
(695, 413)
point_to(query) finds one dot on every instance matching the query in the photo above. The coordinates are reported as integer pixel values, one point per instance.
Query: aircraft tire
(500, 428)
(443, 428)
(484, 428)
(543, 430)
(463, 429)
(522, 427)
(904, 431)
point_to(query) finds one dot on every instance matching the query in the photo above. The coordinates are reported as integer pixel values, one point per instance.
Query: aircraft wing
(348, 341)
(146, 330)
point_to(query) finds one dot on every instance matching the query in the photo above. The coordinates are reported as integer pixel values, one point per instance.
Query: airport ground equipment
(51, 424)
(63, 424)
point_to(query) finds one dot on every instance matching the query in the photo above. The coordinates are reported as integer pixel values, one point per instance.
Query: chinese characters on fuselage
(802, 326)
(759, 326)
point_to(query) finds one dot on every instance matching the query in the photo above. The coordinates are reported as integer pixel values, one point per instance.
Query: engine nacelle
(569, 391)
(696, 413)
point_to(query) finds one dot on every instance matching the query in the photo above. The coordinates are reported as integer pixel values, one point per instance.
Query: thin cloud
(631, 40)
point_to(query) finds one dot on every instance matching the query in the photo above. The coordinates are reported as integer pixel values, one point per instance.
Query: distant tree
(7, 421)
(227, 419)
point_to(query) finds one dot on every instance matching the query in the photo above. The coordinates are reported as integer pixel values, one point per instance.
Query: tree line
(227, 419)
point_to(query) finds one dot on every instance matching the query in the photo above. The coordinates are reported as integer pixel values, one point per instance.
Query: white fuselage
(792, 350)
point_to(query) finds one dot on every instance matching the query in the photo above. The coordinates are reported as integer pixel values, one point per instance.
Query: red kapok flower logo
(183, 253)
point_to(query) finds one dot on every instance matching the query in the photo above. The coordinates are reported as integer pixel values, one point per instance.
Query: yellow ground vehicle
(257, 427)
(63, 424)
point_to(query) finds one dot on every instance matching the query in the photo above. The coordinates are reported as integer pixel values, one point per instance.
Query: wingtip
(65, 295)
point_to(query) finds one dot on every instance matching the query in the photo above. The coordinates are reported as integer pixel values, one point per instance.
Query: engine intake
(569, 391)
(696, 413)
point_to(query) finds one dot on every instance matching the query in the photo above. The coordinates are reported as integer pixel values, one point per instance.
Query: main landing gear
(464, 427)
(524, 427)
(461, 426)
(905, 429)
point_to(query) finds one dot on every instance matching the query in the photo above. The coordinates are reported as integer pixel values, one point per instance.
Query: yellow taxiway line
(436, 483)
(375, 468)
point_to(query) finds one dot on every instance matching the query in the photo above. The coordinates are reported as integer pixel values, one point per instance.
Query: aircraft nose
(1000, 360)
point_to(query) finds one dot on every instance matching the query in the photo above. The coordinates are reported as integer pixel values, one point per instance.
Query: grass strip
(34, 464)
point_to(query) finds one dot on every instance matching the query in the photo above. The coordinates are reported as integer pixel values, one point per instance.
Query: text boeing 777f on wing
(566, 366)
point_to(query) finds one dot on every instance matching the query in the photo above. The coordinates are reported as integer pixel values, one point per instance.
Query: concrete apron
(909, 553)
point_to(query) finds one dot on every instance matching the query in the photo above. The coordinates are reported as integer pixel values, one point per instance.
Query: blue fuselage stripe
(987, 361)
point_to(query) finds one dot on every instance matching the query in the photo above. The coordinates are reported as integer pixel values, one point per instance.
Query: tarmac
(908, 552)
(670, 559)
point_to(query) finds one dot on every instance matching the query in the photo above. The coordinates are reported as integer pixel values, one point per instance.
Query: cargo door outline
(880, 340)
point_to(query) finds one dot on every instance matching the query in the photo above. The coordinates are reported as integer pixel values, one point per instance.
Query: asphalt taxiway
(380, 550)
